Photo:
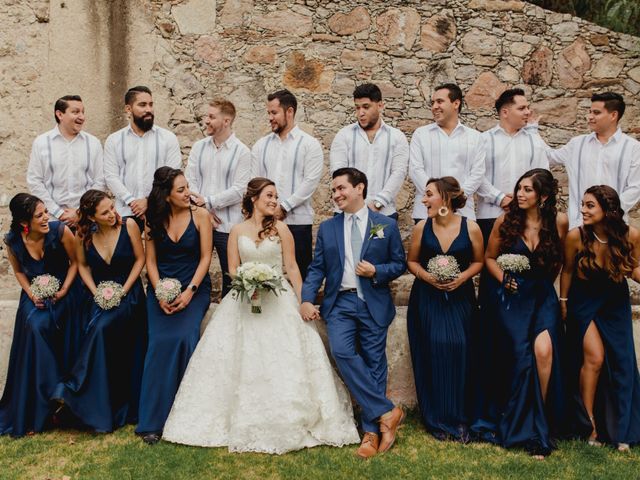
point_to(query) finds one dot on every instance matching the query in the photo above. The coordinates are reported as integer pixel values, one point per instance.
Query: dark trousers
(303, 240)
(486, 225)
(220, 240)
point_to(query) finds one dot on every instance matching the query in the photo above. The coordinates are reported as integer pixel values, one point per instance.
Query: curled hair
(88, 204)
(450, 191)
(254, 189)
(158, 209)
(621, 261)
(22, 207)
(548, 254)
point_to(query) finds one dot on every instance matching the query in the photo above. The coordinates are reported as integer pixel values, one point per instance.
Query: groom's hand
(365, 269)
(308, 311)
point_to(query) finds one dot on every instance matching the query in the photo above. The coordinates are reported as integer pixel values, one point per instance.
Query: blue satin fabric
(103, 387)
(617, 401)
(38, 348)
(172, 338)
(439, 327)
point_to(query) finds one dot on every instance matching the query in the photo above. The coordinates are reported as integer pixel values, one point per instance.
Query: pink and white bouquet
(168, 289)
(108, 295)
(254, 278)
(45, 286)
(444, 267)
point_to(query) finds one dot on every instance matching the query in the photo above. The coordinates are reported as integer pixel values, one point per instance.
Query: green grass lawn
(122, 455)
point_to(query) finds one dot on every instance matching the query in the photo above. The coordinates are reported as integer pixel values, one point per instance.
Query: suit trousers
(220, 240)
(303, 238)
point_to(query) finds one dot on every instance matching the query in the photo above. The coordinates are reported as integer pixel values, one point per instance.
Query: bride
(261, 382)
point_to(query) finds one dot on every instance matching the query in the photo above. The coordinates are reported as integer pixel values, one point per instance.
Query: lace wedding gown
(261, 382)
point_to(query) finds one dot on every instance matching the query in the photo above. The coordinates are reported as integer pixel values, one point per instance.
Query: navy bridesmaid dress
(37, 350)
(617, 401)
(172, 338)
(523, 419)
(439, 327)
(102, 389)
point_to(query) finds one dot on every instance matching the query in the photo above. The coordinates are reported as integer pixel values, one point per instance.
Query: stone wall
(188, 51)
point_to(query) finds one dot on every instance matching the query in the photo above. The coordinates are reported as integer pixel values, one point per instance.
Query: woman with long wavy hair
(603, 373)
(102, 388)
(530, 403)
(261, 382)
(179, 245)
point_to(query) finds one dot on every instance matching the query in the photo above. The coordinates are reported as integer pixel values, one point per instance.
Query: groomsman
(293, 159)
(135, 152)
(511, 150)
(218, 170)
(605, 156)
(446, 147)
(65, 162)
(373, 147)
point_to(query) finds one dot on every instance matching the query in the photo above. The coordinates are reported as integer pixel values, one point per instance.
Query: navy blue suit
(357, 329)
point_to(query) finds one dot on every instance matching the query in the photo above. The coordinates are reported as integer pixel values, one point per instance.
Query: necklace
(604, 242)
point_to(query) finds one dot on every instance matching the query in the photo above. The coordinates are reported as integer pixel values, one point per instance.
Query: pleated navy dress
(439, 326)
(38, 348)
(172, 338)
(102, 389)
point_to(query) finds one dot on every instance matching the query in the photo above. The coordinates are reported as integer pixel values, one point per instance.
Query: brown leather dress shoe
(369, 446)
(389, 424)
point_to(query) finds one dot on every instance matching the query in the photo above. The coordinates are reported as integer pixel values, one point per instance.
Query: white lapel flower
(377, 230)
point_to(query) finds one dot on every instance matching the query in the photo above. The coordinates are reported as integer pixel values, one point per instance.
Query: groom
(358, 253)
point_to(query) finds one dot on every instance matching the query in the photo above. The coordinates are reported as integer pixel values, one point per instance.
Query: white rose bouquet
(168, 289)
(45, 286)
(253, 278)
(108, 295)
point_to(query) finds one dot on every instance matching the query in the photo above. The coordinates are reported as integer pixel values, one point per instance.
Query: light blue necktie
(356, 250)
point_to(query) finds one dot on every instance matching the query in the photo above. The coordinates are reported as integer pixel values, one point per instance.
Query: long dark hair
(621, 261)
(22, 207)
(548, 253)
(254, 189)
(88, 204)
(158, 209)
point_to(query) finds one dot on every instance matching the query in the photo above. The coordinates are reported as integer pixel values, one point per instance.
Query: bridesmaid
(440, 314)
(36, 247)
(103, 387)
(529, 324)
(179, 244)
(603, 373)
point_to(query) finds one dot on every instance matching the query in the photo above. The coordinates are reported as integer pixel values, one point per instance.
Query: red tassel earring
(25, 229)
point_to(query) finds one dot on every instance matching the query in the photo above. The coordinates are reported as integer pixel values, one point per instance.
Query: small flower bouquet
(445, 268)
(511, 264)
(253, 278)
(45, 286)
(108, 295)
(168, 289)
(376, 230)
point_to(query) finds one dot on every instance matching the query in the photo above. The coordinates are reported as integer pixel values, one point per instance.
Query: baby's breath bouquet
(168, 289)
(108, 295)
(511, 264)
(45, 286)
(445, 268)
(253, 278)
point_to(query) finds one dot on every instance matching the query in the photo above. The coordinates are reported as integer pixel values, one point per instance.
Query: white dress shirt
(61, 171)
(461, 155)
(295, 166)
(349, 277)
(131, 160)
(508, 157)
(384, 160)
(588, 162)
(220, 175)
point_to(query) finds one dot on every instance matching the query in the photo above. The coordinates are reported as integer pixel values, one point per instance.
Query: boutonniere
(377, 230)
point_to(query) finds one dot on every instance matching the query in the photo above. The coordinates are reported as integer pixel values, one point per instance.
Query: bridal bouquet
(108, 295)
(45, 286)
(168, 289)
(253, 278)
(511, 264)
(445, 268)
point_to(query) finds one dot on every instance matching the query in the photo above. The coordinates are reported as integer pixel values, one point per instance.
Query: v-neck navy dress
(438, 325)
(103, 387)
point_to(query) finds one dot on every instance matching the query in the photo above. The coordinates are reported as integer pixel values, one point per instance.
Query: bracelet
(563, 299)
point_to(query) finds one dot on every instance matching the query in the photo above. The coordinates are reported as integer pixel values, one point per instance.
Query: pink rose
(443, 262)
(167, 284)
(44, 281)
(107, 293)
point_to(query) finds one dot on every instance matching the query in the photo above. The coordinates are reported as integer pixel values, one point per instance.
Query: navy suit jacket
(387, 254)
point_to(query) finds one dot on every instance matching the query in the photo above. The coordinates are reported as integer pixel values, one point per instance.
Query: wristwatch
(377, 204)
(193, 287)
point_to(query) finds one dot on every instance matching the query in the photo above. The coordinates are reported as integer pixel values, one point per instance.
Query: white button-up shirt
(384, 160)
(60, 171)
(508, 157)
(295, 166)
(349, 277)
(588, 162)
(131, 160)
(220, 175)
(435, 154)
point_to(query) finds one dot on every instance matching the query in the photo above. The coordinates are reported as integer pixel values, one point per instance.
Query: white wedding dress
(261, 382)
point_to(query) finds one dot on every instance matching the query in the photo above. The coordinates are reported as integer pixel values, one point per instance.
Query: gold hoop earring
(443, 211)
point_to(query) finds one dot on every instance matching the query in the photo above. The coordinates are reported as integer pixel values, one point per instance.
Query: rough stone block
(484, 91)
(537, 70)
(398, 27)
(285, 21)
(609, 66)
(357, 20)
(195, 17)
(497, 5)
(438, 33)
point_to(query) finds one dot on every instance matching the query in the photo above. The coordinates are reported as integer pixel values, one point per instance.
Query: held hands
(139, 207)
(452, 285)
(180, 303)
(365, 269)
(39, 303)
(309, 312)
